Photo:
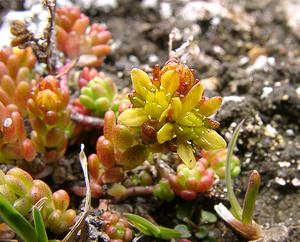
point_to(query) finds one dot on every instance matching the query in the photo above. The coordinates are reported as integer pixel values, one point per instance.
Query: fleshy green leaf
(87, 102)
(184, 210)
(185, 152)
(88, 92)
(208, 217)
(165, 133)
(201, 233)
(133, 117)
(170, 81)
(183, 230)
(102, 104)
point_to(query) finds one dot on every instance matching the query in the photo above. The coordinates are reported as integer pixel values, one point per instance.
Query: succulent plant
(98, 95)
(116, 227)
(216, 160)
(171, 103)
(16, 72)
(49, 118)
(14, 143)
(77, 38)
(189, 182)
(22, 191)
(163, 191)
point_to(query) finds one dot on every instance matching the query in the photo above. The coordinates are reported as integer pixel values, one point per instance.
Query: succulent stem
(87, 121)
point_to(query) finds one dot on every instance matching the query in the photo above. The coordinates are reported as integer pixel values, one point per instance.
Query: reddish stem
(87, 121)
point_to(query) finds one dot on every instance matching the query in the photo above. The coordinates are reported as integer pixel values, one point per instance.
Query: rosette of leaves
(49, 118)
(22, 191)
(99, 96)
(216, 160)
(16, 73)
(187, 183)
(76, 38)
(116, 151)
(163, 191)
(116, 227)
(171, 103)
(14, 143)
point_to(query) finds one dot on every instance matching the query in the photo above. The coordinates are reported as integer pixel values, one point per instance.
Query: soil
(255, 57)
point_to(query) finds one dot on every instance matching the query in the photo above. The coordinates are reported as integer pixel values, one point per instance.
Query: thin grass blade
(39, 225)
(16, 221)
(231, 196)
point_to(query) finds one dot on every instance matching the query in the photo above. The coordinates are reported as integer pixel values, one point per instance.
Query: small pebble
(296, 182)
(284, 164)
(280, 181)
(265, 92)
(270, 131)
(290, 132)
(165, 10)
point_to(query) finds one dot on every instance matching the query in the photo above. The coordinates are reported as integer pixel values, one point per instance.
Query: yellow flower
(182, 118)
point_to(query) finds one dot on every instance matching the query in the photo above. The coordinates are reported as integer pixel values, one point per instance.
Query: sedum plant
(171, 103)
(16, 221)
(116, 227)
(116, 152)
(76, 38)
(100, 94)
(189, 182)
(163, 191)
(49, 118)
(23, 192)
(216, 160)
(16, 73)
(14, 144)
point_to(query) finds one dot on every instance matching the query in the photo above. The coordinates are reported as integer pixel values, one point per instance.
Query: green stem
(250, 197)
(237, 210)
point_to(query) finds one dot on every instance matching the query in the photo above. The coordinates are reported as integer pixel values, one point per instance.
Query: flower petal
(163, 115)
(209, 139)
(185, 152)
(210, 106)
(193, 97)
(175, 108)
(165, 133)
(141, 82)
(191, 120)
(170, 81)
(133, 117)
